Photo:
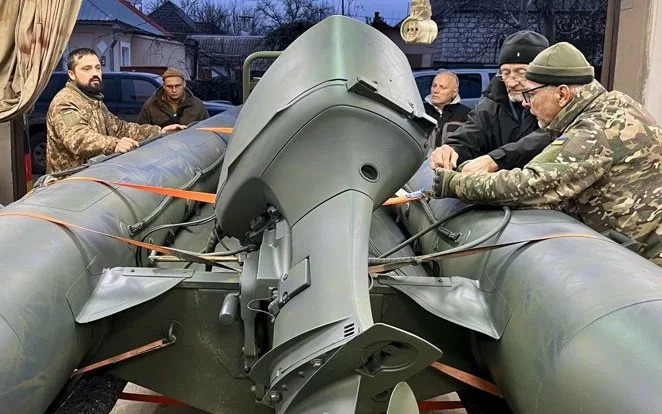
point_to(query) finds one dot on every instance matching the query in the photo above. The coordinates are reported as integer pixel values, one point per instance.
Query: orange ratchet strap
(209, 198)
(468, 379)
(161, 249)
(221, 130)
(400, 200)
(152, 346)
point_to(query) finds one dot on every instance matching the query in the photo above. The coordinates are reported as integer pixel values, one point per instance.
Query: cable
(248, 306)
(415, 260)
(167, 226)
(425, 231)
(246, 248)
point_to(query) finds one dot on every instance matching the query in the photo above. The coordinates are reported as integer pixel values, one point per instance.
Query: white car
(472, 82)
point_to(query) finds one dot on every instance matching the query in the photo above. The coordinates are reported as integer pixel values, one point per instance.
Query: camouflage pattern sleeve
(76, 134)
(568, 166)
(131, 130)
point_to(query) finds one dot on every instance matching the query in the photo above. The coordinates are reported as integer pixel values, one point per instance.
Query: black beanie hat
(522, 47)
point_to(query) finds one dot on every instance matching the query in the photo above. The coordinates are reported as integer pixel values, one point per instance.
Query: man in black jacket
(443, 103)
(500, 133)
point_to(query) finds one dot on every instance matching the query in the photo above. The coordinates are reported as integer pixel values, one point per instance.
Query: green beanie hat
(560, 64)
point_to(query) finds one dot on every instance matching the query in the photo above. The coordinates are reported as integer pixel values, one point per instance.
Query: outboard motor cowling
(317, 147)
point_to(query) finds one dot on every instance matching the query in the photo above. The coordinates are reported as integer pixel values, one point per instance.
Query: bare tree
(245, 19)
(281, 12)
(189, 6)
(213, 13)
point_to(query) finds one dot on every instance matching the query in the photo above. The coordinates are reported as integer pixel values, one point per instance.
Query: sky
(391, 10)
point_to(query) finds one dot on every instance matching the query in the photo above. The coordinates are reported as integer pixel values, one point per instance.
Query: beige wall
(145, 50)
(639, 53)
(90, 36)
(148, 51)
(6, 185)
(653, 86)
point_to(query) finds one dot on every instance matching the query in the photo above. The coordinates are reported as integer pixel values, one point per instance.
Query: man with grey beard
(500, 133)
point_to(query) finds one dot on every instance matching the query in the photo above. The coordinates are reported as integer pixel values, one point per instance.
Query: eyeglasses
(527, 93)
(503, 75)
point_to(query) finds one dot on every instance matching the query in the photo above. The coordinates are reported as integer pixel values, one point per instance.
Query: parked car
(124, 95)
(472, 82)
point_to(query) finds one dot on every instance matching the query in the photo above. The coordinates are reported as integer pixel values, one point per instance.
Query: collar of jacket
(575, 107)
(456, 100)
(497, 92)
(90, 97)
(185, 100)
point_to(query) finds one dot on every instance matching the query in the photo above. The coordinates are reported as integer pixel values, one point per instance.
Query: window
(136, 90)
(54, 85)
(471, 85)
(424, 84)
(125, 54)
(110, 93)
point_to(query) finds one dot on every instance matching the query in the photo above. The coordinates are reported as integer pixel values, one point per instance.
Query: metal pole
(246, 72)
(342, 2)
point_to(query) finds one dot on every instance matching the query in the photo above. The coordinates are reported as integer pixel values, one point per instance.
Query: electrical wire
(248, 306)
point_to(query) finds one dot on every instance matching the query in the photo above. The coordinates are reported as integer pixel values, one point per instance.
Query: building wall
(6, 183)
(469, 37)
(653, 84)
(144, 50)
(149, 51)
(639, 53)
(631, 63)
(90, 36)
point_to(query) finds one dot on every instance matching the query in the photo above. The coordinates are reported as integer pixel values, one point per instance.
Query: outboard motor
(320, 144)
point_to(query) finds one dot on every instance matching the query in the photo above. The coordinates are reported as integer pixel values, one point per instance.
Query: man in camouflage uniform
(78, 124)
(604, 165)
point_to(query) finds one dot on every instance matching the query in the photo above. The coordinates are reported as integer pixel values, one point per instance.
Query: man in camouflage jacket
(78, 124)
(604, 165)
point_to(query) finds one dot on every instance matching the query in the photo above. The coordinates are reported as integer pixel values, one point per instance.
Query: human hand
(443, 157)
(125, 144)
(484, 163)
(172, 128)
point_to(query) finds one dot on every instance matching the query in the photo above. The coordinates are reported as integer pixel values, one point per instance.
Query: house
(172, 18)
(471, 32)
(225, 55)
(209, 53)
(125, 38)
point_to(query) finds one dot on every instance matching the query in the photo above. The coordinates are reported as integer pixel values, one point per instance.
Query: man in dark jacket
(500, 133)
(443, 103)
(173, 103)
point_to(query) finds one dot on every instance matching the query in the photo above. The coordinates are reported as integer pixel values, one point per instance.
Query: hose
(425, 231)
(135, 228)
(417, 259)
(198, 222)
